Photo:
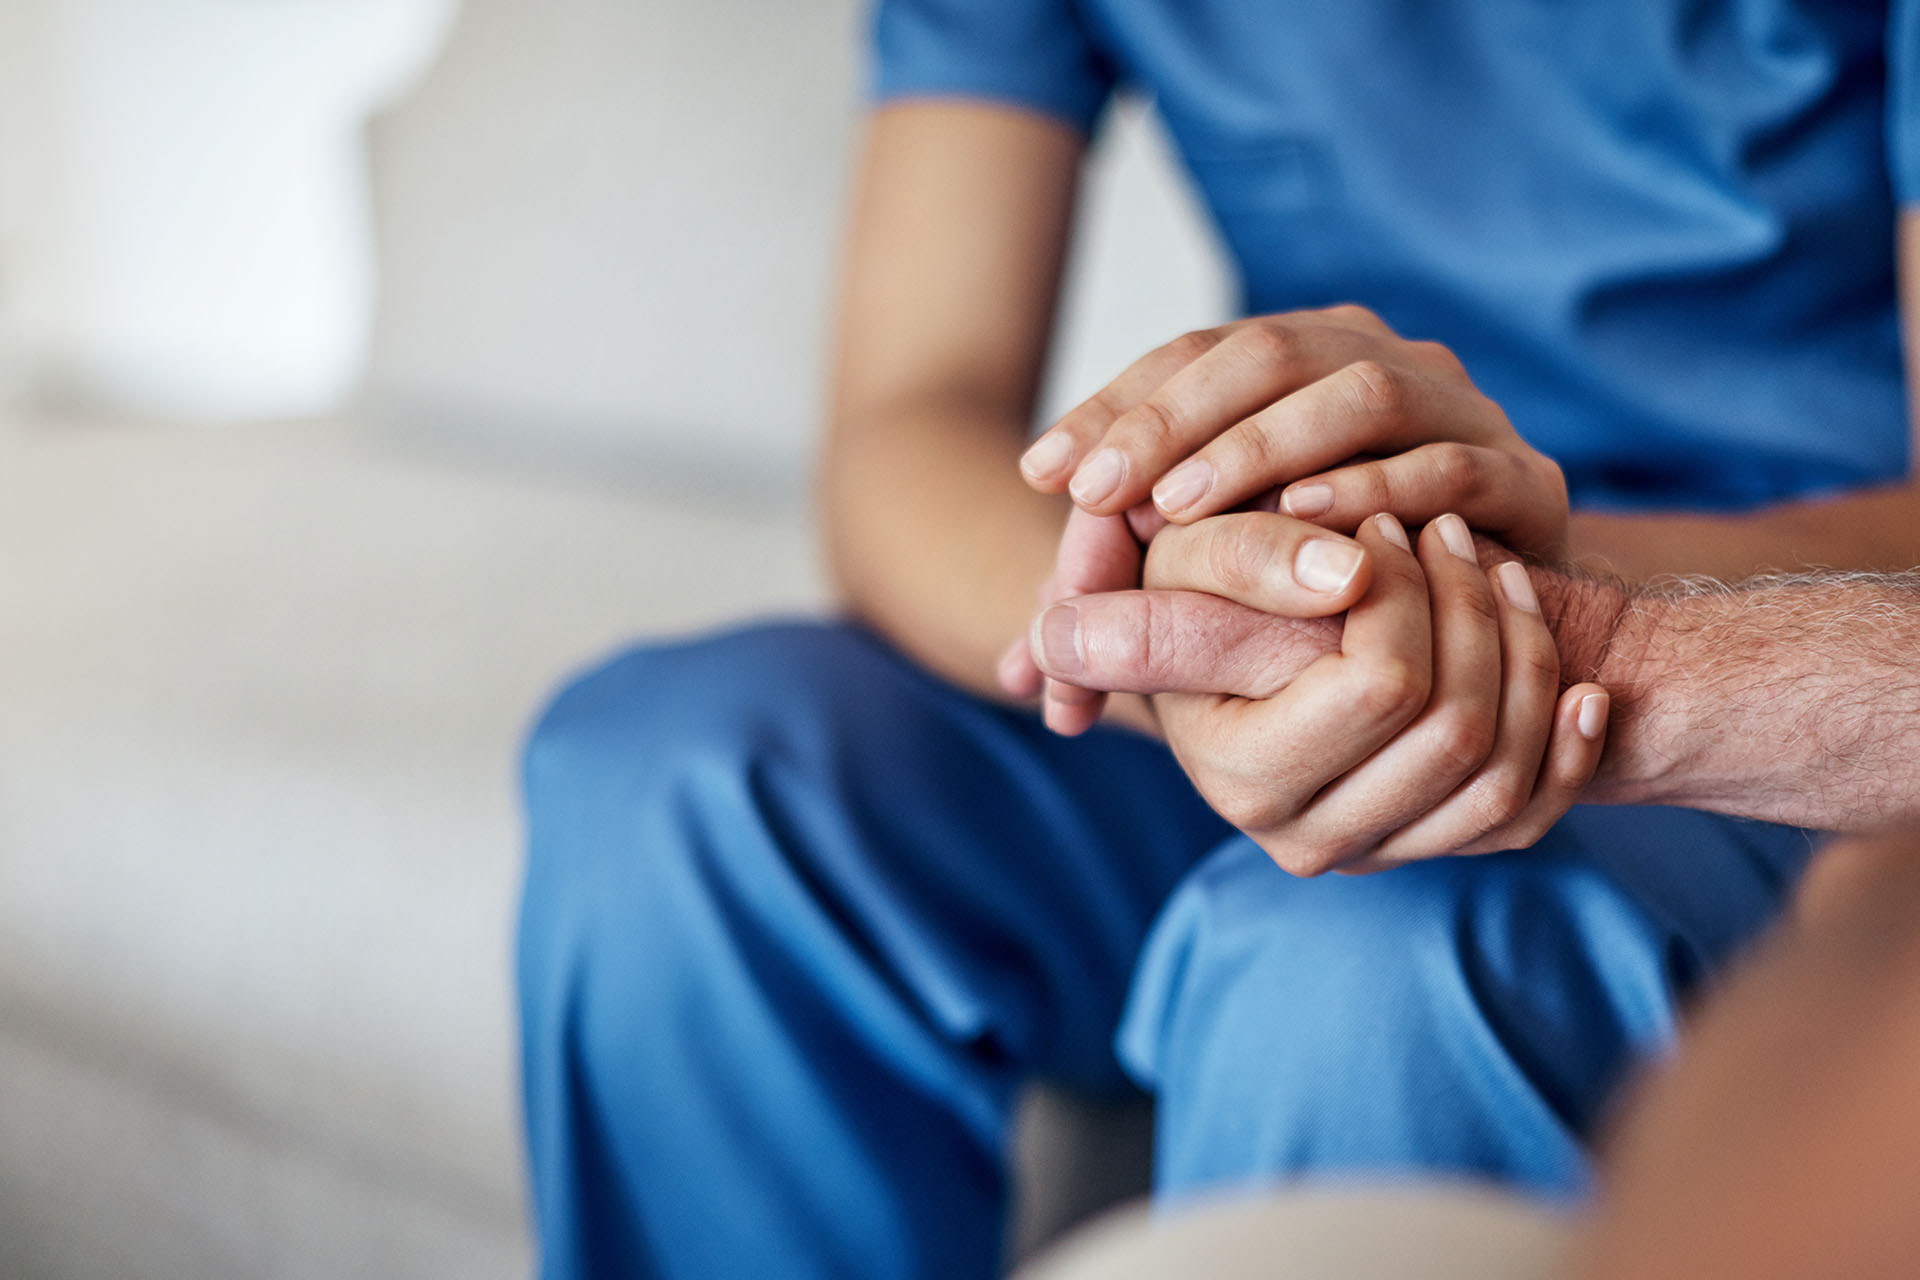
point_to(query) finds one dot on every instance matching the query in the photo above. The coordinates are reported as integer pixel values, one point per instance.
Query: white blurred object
(187, 233)
(264, 689)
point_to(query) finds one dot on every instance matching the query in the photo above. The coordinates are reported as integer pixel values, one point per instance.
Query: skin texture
(1785, 1140)
(1299, 401)
(958, 225)
(1431, 721)
(1873, 529)
(1259, 409)
(1790, 699)
(1221, 415)
(958, 230)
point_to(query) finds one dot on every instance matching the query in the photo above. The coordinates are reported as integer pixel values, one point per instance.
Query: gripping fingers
(1176, 642)
(1251, 367)
(1364, 407)
(1573, 754)
(1337, 713)
(1050, 461)
(1521, 502)
(1574, 747)
(1069, 710)
(1500, 791)
(1096, 553)
(1267, 561)
(1406, 780)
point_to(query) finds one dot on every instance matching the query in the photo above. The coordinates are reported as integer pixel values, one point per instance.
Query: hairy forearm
(1791, 699)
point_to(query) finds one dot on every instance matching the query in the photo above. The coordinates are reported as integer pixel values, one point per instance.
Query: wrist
(1607, 631)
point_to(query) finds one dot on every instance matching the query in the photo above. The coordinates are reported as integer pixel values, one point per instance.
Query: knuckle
(1241, 804)
(1391, 690)
(1236, 560)
(1252, 447)
(1522, 835)
(1537, 663)
(1454, 466)
(1271, 345)
(1103, 405)
(1549, 474)
(1151, 641)
(1352, 313)
(1473, 602)
(1193, 344)
(1125, 647)
(1369, 488)
(1461, 741)
(1151, 422)
(1305, 859)
(1378, 390)
(1437, 355)
(1497, 802)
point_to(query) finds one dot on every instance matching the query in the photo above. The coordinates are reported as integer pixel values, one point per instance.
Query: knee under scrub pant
(800, 920)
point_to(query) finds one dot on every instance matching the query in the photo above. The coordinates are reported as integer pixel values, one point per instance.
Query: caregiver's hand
(1317, 574)
(1438, 727)
(1352, 418)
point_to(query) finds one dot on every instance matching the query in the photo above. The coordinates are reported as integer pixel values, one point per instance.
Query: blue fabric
(800, 919)
(1659, 234)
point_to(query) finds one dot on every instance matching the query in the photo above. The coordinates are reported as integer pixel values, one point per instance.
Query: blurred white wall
(609, 228)
(604, 227)
(182, 197)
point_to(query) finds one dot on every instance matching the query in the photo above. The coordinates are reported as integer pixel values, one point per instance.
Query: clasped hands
(1238, 490)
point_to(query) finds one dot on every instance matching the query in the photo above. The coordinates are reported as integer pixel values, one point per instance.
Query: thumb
(1176, 642)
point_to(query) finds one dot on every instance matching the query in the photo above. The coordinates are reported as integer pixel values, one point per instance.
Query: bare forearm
(1790, 699)
(1877, 529)
(934, 540)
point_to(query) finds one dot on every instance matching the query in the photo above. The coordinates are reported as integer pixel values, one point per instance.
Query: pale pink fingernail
(1098, 477)
(1454, 533)
(1593, 716)
(1058, 630)
(1517, 586)
(1325, 565)
(1392, 530)
(1307, 501)
(1183, 486)
(1049, 456)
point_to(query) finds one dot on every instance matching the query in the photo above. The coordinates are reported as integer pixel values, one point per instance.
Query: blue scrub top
(1660, 233)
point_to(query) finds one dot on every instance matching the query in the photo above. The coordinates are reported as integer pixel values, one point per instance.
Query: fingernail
(1325, 565)
(1517, 587)
(1392, 531)
(1593, 716)
(1185, 485)
(1307, 501)
(1098, 477)
(1453, 532)
(1049, 454)
(1059, 633)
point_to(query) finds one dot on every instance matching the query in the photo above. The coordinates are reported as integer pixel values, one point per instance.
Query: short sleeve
(1027, 53)
(1903, 100)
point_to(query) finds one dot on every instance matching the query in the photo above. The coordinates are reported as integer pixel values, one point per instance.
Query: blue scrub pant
(800, 920)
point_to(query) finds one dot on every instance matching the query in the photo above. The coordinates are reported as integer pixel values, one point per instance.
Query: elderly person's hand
(1437, 726)
(1321, 574)
(1350, 417)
